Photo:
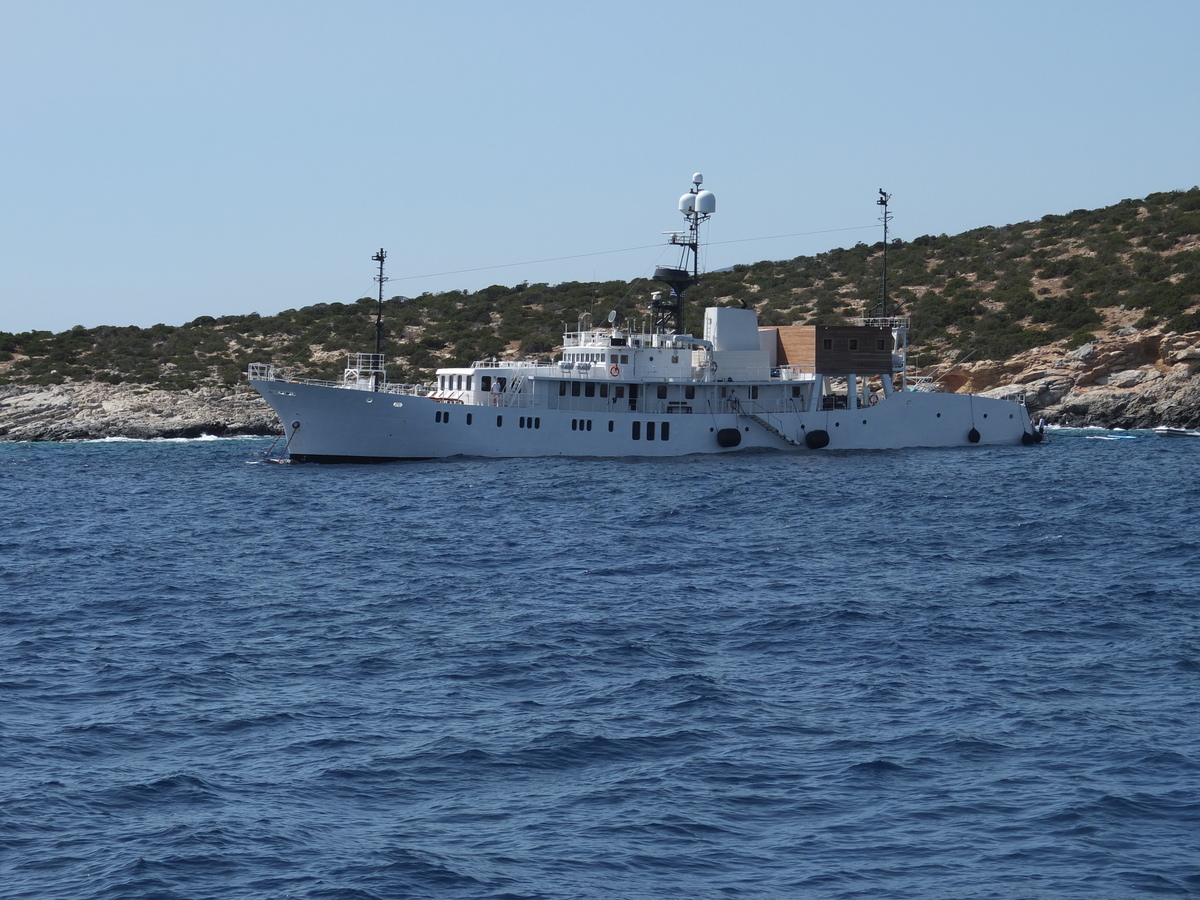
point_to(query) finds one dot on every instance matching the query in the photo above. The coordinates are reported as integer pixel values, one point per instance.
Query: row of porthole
(939, 415)
(524, 422)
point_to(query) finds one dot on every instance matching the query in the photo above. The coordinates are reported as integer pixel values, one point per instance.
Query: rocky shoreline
(1135, 379)
(1131, 379)
(89, 411)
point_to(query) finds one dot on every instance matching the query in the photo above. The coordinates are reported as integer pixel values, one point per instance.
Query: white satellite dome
(706, 202)
(687, 203)
(697, 179)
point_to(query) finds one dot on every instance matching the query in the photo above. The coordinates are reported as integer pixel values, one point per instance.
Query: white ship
(620, 390)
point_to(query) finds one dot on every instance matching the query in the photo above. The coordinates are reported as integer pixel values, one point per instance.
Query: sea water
(923, 673)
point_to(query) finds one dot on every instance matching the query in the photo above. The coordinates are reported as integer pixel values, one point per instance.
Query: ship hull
(334, 424)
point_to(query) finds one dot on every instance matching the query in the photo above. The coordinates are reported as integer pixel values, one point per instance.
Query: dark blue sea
(918, 674)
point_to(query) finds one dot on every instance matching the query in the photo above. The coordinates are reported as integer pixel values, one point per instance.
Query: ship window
(537, 422)
(665, 431)
(853, 343)
(574, 424)
(562, 389)
(649, 431)
(468, 418)
(879, 345)
(689, 393)
(589, 424)
(499, 421)
(485, 382)
(437, 416)
(675, 357)
(611, 425)
(624, 358)
(589, 390)
(754, 392)
(637, 431)
(827, 344)
(662, 393)
(620, 391)
(521, 422)
(795, 390)
(574, 388)
(469, 377)
(612, 358)
(604, 390)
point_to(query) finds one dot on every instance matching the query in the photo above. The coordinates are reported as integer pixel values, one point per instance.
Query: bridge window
(662, 394)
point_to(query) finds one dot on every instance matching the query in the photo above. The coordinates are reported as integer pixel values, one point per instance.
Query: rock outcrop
(65, 412)
(1131, 379)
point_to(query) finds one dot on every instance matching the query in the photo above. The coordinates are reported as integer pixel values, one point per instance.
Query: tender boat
(625, 390)
(1168, 431)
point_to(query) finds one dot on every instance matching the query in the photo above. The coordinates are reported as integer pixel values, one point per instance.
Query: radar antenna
(697, 207)
(379, 258)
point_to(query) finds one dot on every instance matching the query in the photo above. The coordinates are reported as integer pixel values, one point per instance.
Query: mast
(697, 207)
(887, 217)
(379, 258)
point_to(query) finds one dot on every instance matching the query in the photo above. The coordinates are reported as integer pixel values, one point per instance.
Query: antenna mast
(887, 217)
(697, 207)
(379, 258)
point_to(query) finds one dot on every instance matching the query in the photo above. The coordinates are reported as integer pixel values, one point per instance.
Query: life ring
(873, 399)
(614, 370)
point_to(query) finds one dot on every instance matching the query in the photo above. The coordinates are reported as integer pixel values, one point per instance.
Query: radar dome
(697, 178)
(687, 203)
(706, 202)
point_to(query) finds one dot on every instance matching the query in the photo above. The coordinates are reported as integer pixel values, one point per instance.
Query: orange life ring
(614, 370)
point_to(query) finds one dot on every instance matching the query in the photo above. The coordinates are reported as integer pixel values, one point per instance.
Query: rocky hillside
(1095, 314)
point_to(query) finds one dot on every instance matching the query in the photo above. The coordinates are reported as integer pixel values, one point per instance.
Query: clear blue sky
(167, 160)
